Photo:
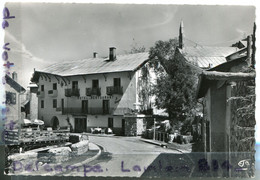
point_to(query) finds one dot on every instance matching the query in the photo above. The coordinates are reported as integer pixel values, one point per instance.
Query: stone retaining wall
(80, 147)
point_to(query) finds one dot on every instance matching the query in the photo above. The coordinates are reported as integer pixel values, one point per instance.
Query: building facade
(91, 93)
(15, 95)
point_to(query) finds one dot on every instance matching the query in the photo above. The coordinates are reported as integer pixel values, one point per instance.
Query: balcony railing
(90, 111)
(53, 93)
(40, 94)
(72, 92)
(93, 91)
(114, 90)
(72, 111)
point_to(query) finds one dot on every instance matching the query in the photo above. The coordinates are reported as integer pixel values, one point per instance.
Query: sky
(45, 33)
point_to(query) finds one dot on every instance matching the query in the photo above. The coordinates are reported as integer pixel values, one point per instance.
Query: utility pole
(253, 47)
(154, 128)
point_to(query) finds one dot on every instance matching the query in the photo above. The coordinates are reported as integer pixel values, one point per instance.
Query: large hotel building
(95, 92)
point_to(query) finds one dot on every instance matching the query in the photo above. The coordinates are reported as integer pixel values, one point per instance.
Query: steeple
(181, 36)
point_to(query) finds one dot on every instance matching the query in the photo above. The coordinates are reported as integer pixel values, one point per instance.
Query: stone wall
(80, 147)
(242, 128)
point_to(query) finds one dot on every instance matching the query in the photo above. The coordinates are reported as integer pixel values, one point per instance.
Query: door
(95, 83)
(110, 123)
(84, 106)
(74, 84)
(117, 82)
(80, 125)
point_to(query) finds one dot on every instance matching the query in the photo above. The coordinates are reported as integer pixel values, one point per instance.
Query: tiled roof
(128, 62)
(203, 56)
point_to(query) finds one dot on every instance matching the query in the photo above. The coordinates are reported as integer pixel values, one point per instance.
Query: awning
(38, 122)
(27, 121)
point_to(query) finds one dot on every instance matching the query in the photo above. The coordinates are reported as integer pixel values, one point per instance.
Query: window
(117, 82)
(62, 105)
(10, 98)
(75, 85)
(105, 106)
(95, 83)
(54, 103)
(84, 106)
(42, 103)
(54, 86)
(42, 87)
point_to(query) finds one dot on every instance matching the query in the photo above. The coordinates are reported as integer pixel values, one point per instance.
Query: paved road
(124, 156)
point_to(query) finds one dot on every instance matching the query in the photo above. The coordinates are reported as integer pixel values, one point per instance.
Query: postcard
(128, 90)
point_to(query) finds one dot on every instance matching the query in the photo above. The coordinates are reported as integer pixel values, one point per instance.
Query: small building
(33, 103)
(228, 94)
(93, 92)
(15, 96)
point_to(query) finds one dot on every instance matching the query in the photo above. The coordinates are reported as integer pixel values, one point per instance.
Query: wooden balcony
(114, 90)
(93, 91)
(53, 93)
(41, 94)
(72, 92)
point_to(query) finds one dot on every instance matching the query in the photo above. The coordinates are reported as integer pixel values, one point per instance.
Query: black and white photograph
(128, 90)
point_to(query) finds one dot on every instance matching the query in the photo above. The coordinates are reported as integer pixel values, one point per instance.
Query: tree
(135, 48)
(176, 83)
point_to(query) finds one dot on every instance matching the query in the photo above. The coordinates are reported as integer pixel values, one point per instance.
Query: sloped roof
(203, 56)
(15, 85)
(129, 62)
(207, 78)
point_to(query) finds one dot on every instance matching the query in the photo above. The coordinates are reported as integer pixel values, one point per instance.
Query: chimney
(14, 76)
(249, 40)
(181, 35)
(112, 53)
(95, 55)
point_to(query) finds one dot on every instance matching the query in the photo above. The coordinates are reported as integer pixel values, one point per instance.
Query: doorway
(110, 123)
(55, 123)
(123, 127)
(80, 125)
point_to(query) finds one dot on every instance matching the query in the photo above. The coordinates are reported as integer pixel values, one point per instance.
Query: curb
(104, 149)
(162, 144)
(101, 135)
(89, 159)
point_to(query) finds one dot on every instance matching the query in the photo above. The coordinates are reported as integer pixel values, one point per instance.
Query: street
(128, 156)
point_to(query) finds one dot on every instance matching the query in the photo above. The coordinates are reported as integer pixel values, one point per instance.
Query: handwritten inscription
(202, 167)
(7, 64)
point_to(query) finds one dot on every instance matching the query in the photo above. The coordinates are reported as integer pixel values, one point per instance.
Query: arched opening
(55, 123)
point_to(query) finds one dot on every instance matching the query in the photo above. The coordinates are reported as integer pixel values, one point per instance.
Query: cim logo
(243, 164)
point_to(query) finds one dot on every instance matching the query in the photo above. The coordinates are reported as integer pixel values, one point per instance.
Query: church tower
(181, 36)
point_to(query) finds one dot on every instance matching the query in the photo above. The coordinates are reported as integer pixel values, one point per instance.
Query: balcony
(40, 94)
(100, 110)
(72, 92)
(114, 90)
(93, 91)
(90, 111)
(72, 111)
(52, 93)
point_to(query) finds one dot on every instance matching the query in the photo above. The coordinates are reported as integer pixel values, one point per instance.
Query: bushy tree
(176, 83)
